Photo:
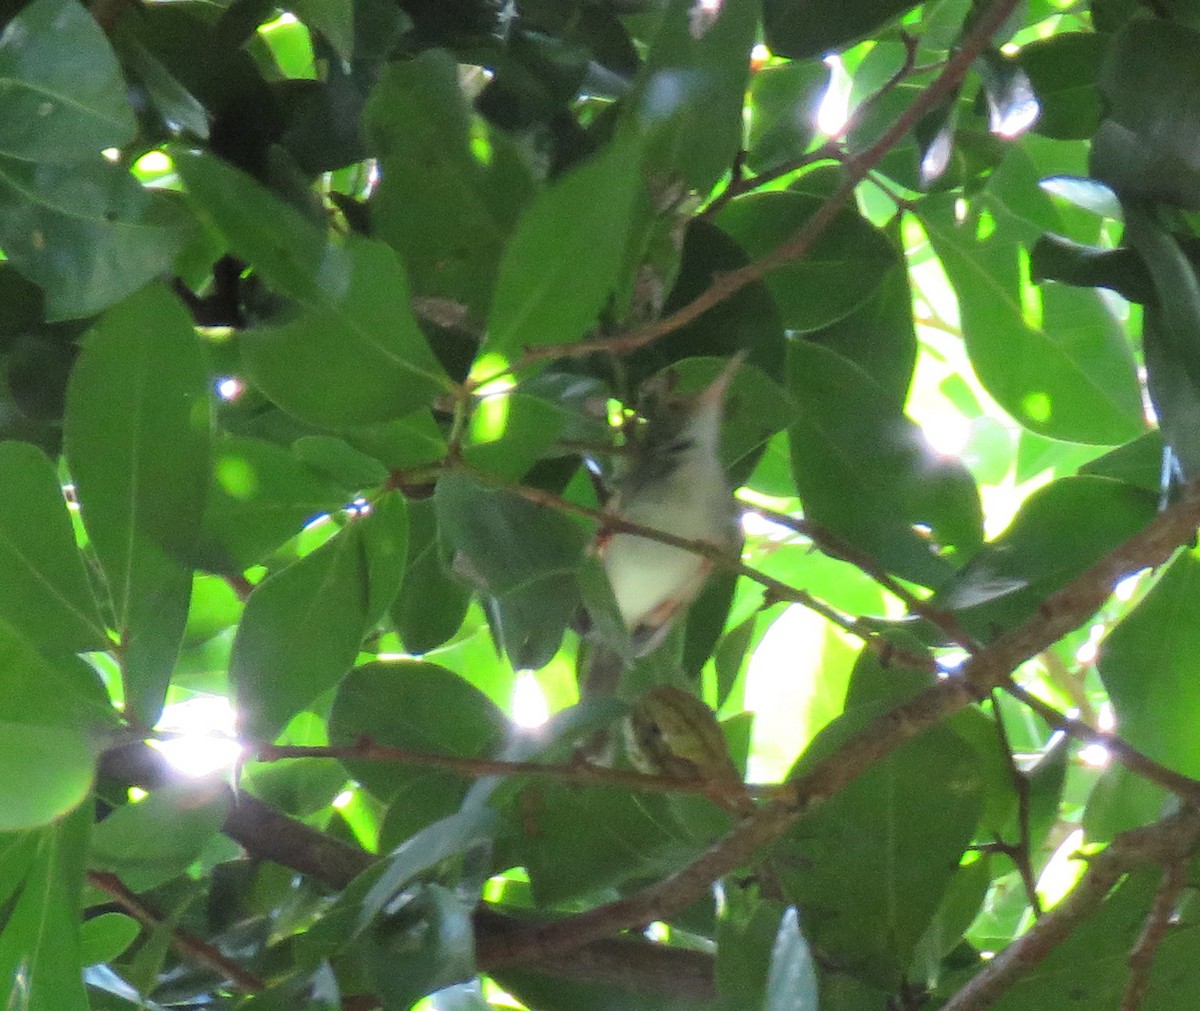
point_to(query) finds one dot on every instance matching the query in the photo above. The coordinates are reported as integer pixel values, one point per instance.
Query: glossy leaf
(689, 93)
(1061, 530)
(39, 945)
(834, 278)
(87, 234)
(564, 258)
(1062, 70)
(63, 98)
(300, 634)
(868, 867)
(438, 204)
(44, 591)
(360, 335)
(784, 101)
(797, 29)
(1058, 363)
(431, 603)
(849, 457)
(152, 841)
(140, 463)
(424, 708)
(1160, 636)
(521, 557)
(792, 979)
(1142, 147)
(260, 496)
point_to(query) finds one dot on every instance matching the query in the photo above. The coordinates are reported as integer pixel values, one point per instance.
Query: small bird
(675, 483)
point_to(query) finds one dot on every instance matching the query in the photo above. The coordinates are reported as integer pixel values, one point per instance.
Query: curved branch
(856, 168)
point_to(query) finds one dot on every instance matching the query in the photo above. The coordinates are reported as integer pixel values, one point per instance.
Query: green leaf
(341, 462)
(1060, 530)
(431, 603)
(783, 104)
(748, 320)
(88, 233)
(300, 634)
(1162, 635)
(421, 707)
(690, 91)
(140, 463)
(799, 28)
(384, 534)
(39, 946)
(1144, 147)
(426, 946)
(838, 275)
(44, 591)
(260, 496)
(869, 866)
(48, 772)
(105, 937)
(575, 842)
(437, 204)
(565, 256)
(1062, 70)
(62, 97)
(1089, 968)
(334, 19)
(359, 335)
(156, 839)
(1055, 358)
(522, 557)
(867, 474)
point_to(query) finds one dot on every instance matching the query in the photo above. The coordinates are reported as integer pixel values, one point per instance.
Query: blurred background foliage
(291, 431)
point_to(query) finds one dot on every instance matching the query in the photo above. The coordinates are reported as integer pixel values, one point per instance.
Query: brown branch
(857, 167)
(1141, 958)
(1020, 853)
(1125, 753)
(185, 942)
(990, 668)
(578, 772)
(1166, 842)
(268, 834)
(775, 589)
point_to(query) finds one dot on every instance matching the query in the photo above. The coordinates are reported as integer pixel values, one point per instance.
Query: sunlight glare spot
(1127, 587)
(1107, 719)
(1094, 756)
(1036, 406)
(230, 388)
(757, 525)
(833, 112)
(136, 793)
(111, 154)
(1062, 871)
(657, 931)
(205, 741)
(342, 799)
(490, 419)
(154, 163)
(950, 437)
(529, 707)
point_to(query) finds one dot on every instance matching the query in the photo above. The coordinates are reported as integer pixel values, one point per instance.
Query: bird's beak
(715, 392)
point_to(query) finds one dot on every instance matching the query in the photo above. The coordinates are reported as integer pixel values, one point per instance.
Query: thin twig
(185, 942)
(1060, 613)
(1125, 753)
(1020, 853)
(802, 240)
(1165, 842)
(578, 772)
(1141, 958)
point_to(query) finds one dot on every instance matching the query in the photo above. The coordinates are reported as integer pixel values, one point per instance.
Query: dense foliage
(317, 327)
